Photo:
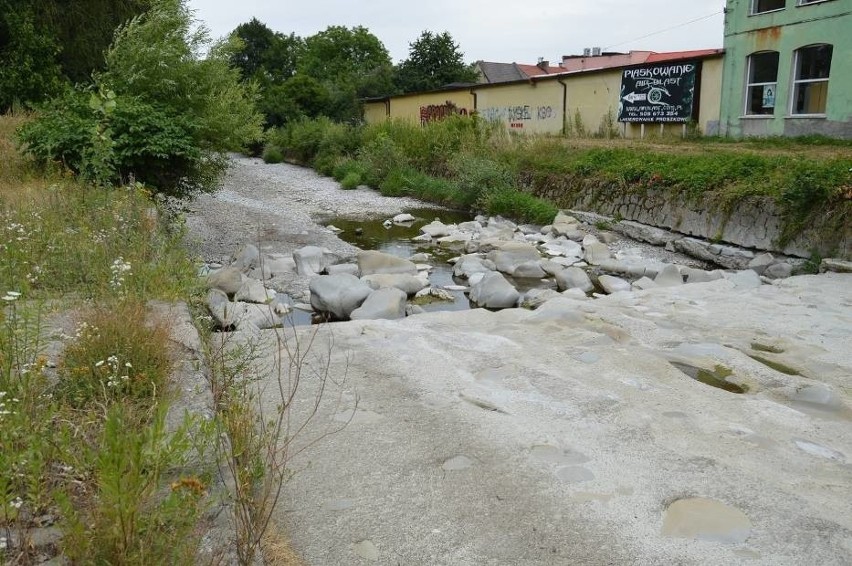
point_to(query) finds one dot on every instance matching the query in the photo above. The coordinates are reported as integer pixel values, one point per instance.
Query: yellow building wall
(530, 108)
(375, 112)
(710, 103)
(430, 105)
(593, 98)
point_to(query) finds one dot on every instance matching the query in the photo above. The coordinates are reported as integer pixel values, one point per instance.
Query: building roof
(500, 72)
(573, 63)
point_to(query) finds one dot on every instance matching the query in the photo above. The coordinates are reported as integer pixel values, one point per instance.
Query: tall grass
(82, 436)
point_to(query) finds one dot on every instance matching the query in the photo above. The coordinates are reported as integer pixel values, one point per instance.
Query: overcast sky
(491, 30)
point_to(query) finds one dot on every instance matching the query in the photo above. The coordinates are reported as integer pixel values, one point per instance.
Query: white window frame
(809, 2)
(749, 85)
(794, 91)
(752, 10)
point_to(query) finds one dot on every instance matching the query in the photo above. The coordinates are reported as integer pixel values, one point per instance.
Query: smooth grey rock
(420, 258)
(403, 218)
(494, 292)
(818, 394)
(509, 255)
(472, 226)
(563, 247)
(669, 277)
(701, 276)
(227, 279)
(350, 268)
(387, 303)
(467, 265)
(224, 312)
(437, 293)
(589, 239)
(534, 298)
(746, 279)
(574, 278)
(613, 284)
(247, 258)
(311, 260)
(836, 265)
(530, 229)
(644, 283)
(413, 309)
(422, 238)
(644, 233)
(454, 239)
(529, 270)
(563, 224)
(371, 262)
(551, 267)
(338, 294)
(408, 284)
(251, 291)
(779, 271)
(476, 277)
(574, 293)
(562, 309)
(761, 262)
(595, 252)
(436, 229)
(281, 304)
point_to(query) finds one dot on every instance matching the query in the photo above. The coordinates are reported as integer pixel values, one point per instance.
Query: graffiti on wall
(517, 115)
(435, 112)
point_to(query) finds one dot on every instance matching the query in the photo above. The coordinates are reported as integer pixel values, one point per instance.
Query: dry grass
(276, 548)
(20, 179)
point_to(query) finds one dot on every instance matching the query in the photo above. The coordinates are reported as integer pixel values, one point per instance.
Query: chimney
(596, 51)
(543, 64)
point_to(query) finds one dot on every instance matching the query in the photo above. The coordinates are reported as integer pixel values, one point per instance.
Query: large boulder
(612, 284)
(564, 224)
(311, 260)
(669, 277)
(224, 312)
(467, 265)
(436, 229)
(228, 279)
(494, 292)
(529, 270)
(251, 291)
(574, 278)
(408, 284)
(246, 259)
(563, 247)
(510, 255)
(372, 261)
(595, 252)
(761, 262)
(338, 294)
(387, 303)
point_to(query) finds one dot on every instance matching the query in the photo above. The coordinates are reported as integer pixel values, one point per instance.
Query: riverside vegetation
(467, 163)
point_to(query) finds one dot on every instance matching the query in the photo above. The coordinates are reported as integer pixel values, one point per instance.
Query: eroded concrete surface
(566, 436)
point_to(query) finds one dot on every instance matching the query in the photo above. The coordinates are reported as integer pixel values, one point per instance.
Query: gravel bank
(279, 208)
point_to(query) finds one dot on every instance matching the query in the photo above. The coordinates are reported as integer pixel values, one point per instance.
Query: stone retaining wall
(754, 223)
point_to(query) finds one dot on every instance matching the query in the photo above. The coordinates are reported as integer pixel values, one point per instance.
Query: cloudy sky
(491, 30)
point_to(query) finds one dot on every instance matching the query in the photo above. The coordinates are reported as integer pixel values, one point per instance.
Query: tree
(434, 60)
(265, 55)
(44, 43)
(351, 64)
(29, 71)
(158, 112)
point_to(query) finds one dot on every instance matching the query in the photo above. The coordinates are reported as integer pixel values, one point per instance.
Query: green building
(788, 68)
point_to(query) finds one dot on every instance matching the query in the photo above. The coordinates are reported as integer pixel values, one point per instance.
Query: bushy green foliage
(272, 154)
(434, 60)
(158, 113)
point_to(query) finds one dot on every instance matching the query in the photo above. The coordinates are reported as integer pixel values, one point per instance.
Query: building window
(806, 2)
(761, 6)
(810, 85)
(762, 83)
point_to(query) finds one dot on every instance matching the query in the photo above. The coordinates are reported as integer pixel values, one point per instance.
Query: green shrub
(157, 113)
(272, 154)
(351, 180)
(520, 206)
(381, 156)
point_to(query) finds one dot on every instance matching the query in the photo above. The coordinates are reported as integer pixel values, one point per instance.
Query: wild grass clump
(272, 154)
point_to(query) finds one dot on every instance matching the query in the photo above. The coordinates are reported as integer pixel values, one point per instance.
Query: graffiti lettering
(517, 114)
(435, 112)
